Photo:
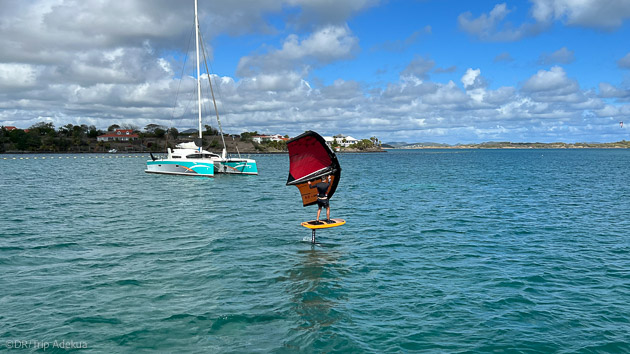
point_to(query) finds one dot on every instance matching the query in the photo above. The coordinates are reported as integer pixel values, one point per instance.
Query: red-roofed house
(9, 128)
(119, 134)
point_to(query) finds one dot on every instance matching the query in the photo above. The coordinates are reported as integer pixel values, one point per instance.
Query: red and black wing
(311, 158)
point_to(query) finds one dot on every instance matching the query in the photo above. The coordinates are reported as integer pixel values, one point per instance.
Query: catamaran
(189, 158)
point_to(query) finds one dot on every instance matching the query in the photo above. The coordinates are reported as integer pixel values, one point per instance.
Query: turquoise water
(443, 251)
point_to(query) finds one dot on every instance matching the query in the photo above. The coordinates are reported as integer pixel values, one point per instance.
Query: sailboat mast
(198, 73)
(214, 101)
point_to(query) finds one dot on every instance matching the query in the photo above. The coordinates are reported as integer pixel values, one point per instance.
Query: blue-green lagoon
(443, 251)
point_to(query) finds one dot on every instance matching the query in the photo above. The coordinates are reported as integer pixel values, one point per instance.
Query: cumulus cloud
(607, 90)
(474, 84)
(492, 27)
(553, 85)
(603, 14)
(324, 46)
(276, 81)
(112, 61)
(419, 67)
(411, 109)
(560, 56)
(450, 69)
(472, 79)
(624, 62)
(401, 45)
(547, 80)
(54, 66)
(328, 11)
(503, 57)
(17, 76)
(598, 14)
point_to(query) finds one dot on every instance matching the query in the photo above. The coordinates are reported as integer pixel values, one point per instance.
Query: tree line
(43, 137)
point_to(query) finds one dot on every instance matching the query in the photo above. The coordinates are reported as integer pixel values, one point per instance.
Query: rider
(322, 196)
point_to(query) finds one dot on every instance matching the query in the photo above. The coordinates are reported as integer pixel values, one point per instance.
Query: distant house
(342, 140)
(10, 128)
(262, 138)
(118, 135)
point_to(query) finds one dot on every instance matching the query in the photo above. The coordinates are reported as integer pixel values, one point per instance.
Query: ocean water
(443, 251)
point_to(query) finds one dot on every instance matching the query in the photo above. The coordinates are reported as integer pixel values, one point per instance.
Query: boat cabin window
(200, 156)
(176, 157)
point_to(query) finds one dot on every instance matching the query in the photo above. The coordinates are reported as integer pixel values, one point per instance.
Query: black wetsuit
(322, 198)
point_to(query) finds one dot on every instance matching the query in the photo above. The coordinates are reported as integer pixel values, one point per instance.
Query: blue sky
(414, 71)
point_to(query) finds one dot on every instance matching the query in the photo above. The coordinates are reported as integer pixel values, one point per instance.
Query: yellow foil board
(312, 224)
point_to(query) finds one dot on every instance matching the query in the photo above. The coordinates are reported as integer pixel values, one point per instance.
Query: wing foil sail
(311, 158)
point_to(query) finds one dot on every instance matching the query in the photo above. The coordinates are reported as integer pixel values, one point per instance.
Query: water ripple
(450, 251)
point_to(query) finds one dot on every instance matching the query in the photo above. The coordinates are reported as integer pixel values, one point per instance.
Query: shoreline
(382, 150)
(510, 148)
(508, 145)
(158, 153)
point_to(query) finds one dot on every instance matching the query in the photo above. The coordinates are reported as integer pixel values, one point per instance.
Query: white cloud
(446, 95)
(607, 90)
(503, 57)
(560, 56)
(485, 23)
(471, 78)
(17, 76)
(329, 11)
(419, 67)
(554, 79)
(450, 69)
(328, 44)
(604, 14)
(474, 84)
(492, 27)
(624, 62)
(401, 45)
(281, 81)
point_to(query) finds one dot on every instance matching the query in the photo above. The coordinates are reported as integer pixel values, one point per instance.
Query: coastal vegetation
(43, 137)
(366, 144)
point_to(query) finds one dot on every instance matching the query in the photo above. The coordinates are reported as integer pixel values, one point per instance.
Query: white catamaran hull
(182, 168)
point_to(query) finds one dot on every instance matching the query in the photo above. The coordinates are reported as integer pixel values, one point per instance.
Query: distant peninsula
(623, 144)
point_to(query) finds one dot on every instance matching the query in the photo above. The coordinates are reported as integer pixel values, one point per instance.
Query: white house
(342, 140)
(119, 134)
(260, 138)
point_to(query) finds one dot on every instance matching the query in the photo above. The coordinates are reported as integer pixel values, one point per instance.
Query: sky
(403, 71)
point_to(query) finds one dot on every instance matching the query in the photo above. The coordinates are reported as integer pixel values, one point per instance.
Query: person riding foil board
(322, 196)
